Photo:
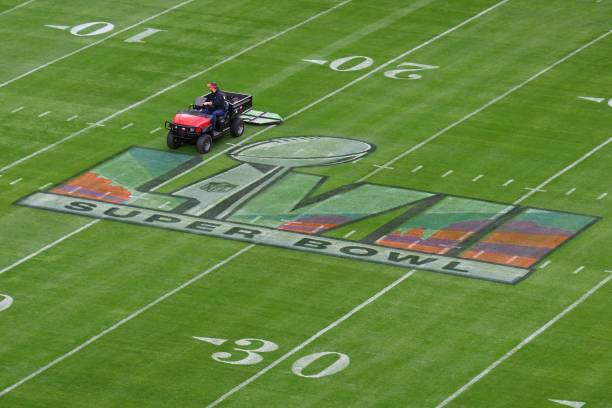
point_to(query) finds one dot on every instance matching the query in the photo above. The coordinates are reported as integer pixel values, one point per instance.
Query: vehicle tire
(236, 127)
(204, 143)
(172, 142)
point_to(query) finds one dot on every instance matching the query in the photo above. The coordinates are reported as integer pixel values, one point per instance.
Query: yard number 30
(252, 355)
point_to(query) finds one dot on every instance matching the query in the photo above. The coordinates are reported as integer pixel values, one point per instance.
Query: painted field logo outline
(265, 200)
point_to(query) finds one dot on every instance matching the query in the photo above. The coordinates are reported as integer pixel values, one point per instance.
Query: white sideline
(486, 105)
(526, 341)
(16, 7)
(93, 44)
(342, 88)
(51, 245)
(168, 88)
(124, 321)
(311, 339)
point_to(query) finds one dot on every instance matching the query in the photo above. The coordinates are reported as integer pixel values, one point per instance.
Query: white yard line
(602, 196)
(129, 125)
(49, 246)
(124, 321)
(176, 84)
(45, 186)
(93, 44)
(42, 115)
(570, 191)
(155, 130)
(523, 343)
(12, 183)
(417, 168)
(342, 88)
(478, 177)
(578, 270)
(488, 104)
(507, 183)
(18, 109)
(448, 173)
(16, 7)
(311, 339)
(70, 119)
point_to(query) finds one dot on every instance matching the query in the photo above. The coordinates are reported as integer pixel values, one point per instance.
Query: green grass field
(490, 148)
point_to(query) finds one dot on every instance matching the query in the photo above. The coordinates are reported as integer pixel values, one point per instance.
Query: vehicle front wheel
(204, 143)
(236, 127)
(172, 141)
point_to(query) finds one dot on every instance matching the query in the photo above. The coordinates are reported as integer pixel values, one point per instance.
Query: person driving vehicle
(214, 104)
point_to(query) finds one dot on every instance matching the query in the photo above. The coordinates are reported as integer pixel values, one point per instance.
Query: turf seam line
(338, 90)
(51, 245)
(125, 320)
(525, 341)
(312, 338)
(488, 104)
(93, 44)
(170, 87)
(16, 7)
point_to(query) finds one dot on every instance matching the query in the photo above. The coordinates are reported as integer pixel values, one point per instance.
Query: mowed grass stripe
(124, 321)
(312, 338)
(525, 342)
(49, 246)
(485, 106)
(170, 87)
(340, 89)
(93, 44)
(25, 3)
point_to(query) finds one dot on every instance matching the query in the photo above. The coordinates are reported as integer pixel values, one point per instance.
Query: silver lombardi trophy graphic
(263, 163)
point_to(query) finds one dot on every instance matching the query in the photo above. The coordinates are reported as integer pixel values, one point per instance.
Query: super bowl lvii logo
(265, 199)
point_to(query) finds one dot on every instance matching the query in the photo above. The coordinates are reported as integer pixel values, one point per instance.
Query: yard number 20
(359, 62)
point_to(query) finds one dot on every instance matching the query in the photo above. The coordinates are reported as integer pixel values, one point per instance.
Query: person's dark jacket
(218, 100)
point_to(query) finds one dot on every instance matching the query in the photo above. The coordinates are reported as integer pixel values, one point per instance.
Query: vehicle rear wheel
(172, 141)
(204, 143)
(236, 127)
